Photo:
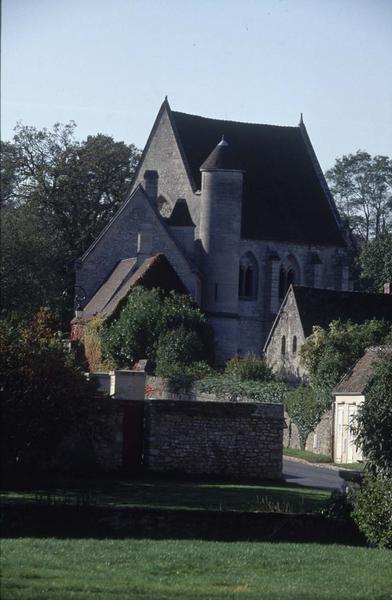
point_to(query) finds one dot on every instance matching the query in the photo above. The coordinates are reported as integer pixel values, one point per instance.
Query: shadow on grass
(166, 508)
(163, 492)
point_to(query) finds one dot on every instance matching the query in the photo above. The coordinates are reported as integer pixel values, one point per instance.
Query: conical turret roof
(221, 158)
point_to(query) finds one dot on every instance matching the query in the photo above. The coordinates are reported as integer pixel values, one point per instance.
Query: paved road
(308, 475)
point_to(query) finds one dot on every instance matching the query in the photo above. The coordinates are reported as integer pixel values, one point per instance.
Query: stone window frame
(295, 344)
(248, 277)
(289, 273)
(283, 345)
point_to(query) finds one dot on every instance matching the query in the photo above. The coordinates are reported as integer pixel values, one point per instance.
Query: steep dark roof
(180, 216)
(320, 307)
(283, 196)
(357, 378)
(155, 271)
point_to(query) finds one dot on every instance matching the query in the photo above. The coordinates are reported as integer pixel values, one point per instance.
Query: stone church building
(239, 210)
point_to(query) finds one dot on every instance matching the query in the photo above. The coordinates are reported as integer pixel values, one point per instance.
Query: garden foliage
(373, 510)
(44, 397)
(167, 329)
(373, 426)
(245, 377)
(328, 353)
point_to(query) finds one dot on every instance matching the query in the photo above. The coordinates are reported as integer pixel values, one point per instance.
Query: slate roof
(320, 307)
(180, 216)
(357, 378)
(155, 271)
(283, 198)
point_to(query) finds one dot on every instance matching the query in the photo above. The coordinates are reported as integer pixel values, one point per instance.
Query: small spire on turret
(301, 121)
(223, 141)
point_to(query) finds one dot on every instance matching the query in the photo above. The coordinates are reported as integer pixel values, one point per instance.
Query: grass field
(35, 569)
(155, 493)
(312, 457)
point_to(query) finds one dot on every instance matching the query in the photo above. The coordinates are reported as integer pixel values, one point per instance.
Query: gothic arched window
(248, 277)
(283, 346)
(288, 275)
(294, 344)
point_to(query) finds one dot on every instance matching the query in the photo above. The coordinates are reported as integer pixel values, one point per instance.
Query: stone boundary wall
(234, 440)
(320, 441)
(203, 436)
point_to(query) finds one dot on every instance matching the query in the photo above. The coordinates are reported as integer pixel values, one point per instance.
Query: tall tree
(376, 263)
(362, 188)
(58, 194)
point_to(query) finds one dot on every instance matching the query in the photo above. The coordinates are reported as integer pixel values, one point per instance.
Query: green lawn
(306, 455)
(165, 493)
(312, 457)
(39, 569)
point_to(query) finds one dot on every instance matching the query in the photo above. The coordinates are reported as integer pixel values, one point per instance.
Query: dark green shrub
(133, 334)
(146, 316)
(176, 349)
(248, 368)
(338, 507)
(44, 398)
(373, 510)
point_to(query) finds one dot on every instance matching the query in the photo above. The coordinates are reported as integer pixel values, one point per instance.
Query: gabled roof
(285, 195)
(154, 272)
(180, 216)
(320, 307)
(358, 377)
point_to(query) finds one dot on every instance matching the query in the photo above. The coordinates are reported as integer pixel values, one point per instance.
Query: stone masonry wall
(234, 440)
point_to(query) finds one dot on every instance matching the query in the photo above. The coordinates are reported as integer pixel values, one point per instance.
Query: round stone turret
(220, 233)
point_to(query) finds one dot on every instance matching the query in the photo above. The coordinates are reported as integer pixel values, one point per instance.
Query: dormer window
(248, 277)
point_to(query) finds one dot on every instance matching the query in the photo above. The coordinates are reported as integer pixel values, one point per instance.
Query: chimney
(151, 184)
(388, 288)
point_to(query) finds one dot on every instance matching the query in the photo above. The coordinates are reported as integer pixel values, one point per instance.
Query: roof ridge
(250, 123)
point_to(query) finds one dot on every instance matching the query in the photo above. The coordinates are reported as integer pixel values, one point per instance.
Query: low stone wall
(319, 441)
(234, 440)
(41, 520)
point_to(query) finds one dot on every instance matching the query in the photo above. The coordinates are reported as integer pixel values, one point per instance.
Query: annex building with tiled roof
(349, 395)
(304, 308)
(239, 211)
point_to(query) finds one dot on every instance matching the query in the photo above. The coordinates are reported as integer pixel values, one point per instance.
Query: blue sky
(108, 65)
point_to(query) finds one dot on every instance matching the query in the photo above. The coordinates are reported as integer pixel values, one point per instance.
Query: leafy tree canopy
(376, 263)
(65, 191)
(328, 353)
(43, 396)
(362, 188)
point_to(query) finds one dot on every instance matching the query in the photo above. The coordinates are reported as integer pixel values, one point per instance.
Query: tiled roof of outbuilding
(357, 378)
(283, 196)
(320, 307)
(154, 272)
